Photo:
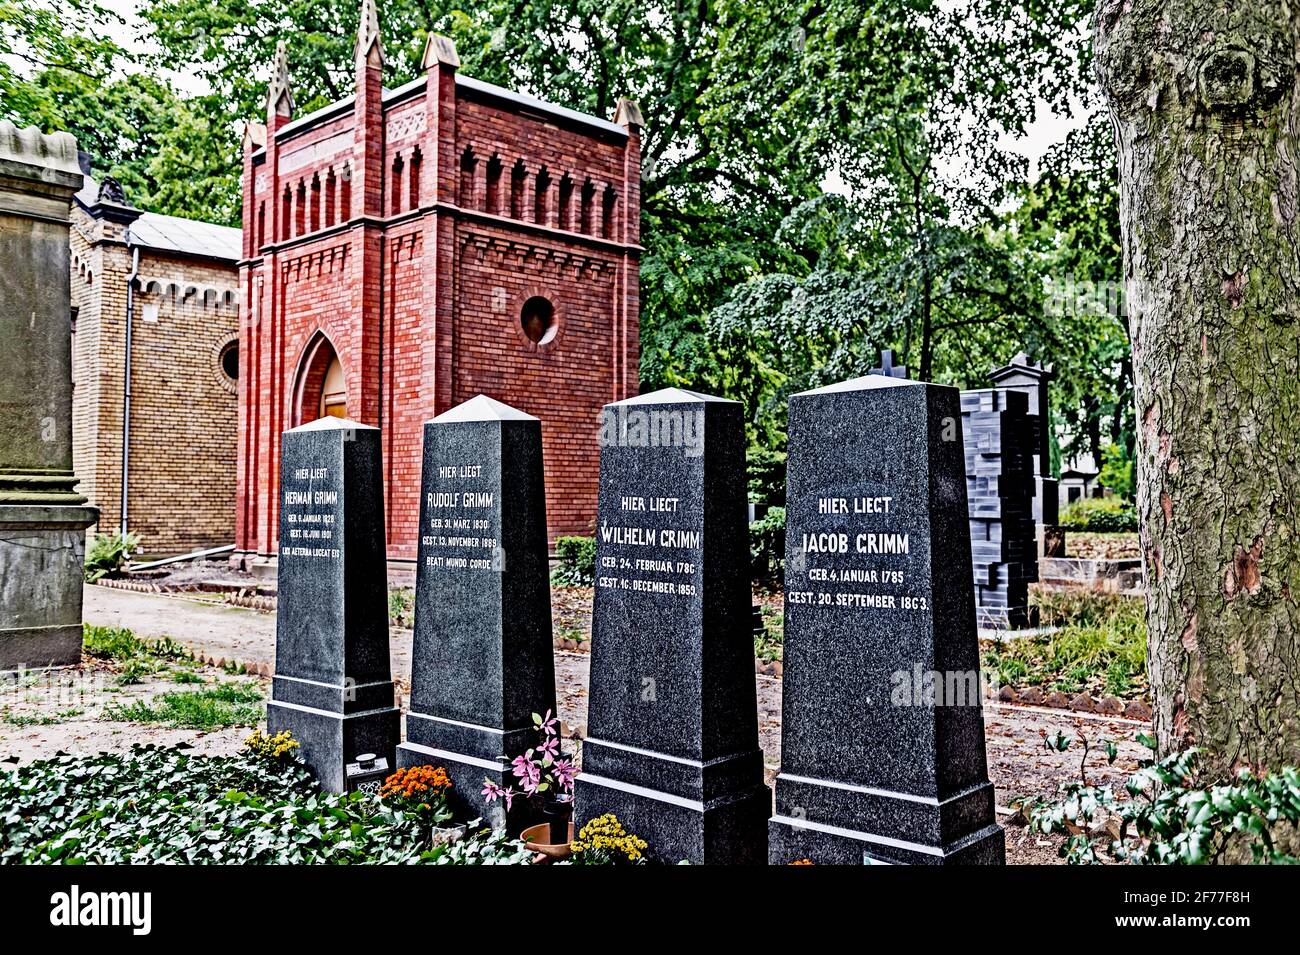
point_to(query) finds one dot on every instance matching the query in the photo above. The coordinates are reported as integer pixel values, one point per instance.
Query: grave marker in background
(1031, 377)
(997, 436)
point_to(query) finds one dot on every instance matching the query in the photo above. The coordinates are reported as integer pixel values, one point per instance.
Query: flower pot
(558, 813)
(537, 838)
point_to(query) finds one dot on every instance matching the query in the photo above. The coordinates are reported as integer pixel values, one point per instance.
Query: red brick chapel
(407, 249)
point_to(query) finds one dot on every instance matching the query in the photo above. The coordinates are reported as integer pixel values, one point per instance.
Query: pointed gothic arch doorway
(321, 389)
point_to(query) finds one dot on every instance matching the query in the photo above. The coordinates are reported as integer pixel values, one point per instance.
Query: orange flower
(415, 781)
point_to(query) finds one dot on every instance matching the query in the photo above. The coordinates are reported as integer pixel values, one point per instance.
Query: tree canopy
(822, 179)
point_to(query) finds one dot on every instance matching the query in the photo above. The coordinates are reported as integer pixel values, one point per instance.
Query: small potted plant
(546, 775)
(421, 791)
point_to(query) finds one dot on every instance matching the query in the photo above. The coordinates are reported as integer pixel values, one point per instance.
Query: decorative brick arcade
(407, 249)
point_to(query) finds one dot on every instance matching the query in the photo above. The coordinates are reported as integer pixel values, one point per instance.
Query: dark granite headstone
(482, 662)
(998, 438)
(672, 745)
(882, 746)
(333, 686)
(1026, 375)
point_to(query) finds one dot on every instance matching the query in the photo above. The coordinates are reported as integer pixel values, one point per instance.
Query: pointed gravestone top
(865, 383)
(672, 743)
(483, 408)
(669, 396)
(331, 423)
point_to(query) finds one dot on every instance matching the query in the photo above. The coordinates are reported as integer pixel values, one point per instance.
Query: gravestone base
(42, 557)
(718, 831)
(921, 831)
(790, 839)
(434, 742)
(329, 741)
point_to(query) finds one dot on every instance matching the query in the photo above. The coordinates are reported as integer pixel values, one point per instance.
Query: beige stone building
(156, 297)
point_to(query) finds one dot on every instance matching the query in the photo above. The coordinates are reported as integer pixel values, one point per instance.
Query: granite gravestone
(43, 519)
(998, 439)
(882, 748)
(333, 686)
(482, 662)
(672, 730)
(1026, 375)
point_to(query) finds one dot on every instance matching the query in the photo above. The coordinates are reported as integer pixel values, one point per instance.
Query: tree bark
(1206, 113)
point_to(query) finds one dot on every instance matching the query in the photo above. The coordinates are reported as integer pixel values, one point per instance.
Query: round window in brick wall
(229, 359)
(538, 320)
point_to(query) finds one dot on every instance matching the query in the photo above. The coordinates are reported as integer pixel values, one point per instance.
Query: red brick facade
(403, 231)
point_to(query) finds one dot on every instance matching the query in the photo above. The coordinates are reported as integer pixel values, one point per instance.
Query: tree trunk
(1206, 113)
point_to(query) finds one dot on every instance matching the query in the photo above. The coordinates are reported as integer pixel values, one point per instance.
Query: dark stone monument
(998, 439)
(672, 745)
(333, 686)
(482, 662)
(43, 519)
(882, 748)
(1024, 374)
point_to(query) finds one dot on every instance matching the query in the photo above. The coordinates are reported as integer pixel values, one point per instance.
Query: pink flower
(548, 723)
(550, 747)
(491, 791)
(526, 771)
(565, 772)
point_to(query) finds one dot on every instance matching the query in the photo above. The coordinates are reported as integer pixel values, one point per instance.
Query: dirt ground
(1019, 764)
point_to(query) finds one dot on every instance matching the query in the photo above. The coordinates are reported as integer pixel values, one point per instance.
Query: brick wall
(183, 409)
(406, 231)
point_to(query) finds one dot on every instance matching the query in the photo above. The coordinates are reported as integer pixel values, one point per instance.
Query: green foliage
(767, 545)
(163, 805)
(766, 476)
(1169, 815)
(819, 181)
(769, 645)
(1118, 469)
(577, 557)
(1099, 648)
(172, 154)
(135, 658)
(213, 708)
(401, 607)
(108, 554)
(1100, 515)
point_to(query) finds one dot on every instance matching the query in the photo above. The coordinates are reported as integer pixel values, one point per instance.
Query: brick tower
(407, 249)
